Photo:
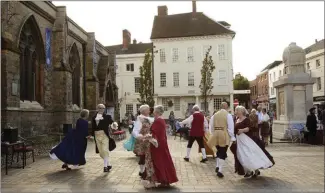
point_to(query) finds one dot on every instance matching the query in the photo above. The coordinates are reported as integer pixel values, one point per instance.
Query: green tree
(146, 83)
(206, 84)
(241, 83)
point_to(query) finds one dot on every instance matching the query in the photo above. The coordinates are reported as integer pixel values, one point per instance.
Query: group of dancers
(149, 142)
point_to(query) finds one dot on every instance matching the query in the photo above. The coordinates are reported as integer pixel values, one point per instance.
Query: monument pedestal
(294, 92)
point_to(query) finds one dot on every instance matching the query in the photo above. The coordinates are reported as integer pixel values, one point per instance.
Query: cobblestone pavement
(299, 168)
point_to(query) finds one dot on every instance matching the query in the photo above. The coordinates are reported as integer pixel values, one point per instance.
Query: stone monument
(294, 92)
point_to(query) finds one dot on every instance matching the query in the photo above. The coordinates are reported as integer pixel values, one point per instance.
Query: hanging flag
(48, 36)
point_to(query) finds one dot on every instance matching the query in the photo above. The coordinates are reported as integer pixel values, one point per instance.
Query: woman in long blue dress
(72, 149)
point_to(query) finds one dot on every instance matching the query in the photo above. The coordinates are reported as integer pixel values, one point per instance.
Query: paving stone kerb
(298, 168)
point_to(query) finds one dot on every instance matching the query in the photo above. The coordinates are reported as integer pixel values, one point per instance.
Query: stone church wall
(55, 107)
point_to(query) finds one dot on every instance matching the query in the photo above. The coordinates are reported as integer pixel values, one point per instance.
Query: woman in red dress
(164, 169)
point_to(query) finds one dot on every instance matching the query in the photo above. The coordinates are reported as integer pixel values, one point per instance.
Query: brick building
(50, 68)
(253, 95)
(262, 83)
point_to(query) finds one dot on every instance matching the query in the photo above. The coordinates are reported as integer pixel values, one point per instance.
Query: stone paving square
(298, 168)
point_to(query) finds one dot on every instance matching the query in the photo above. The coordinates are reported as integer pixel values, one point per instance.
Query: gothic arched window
(30, 69)
(74, 62)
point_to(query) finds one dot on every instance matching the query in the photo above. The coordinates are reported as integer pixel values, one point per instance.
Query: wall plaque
(14, 88)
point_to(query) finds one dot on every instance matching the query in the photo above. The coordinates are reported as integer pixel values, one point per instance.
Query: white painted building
(274, 73)
(180, 42)
(315, 66)
(129, 58)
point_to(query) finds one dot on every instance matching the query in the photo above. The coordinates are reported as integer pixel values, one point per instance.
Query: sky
(263, 29)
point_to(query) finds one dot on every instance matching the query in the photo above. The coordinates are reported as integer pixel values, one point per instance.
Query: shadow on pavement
(54, 176)
(264, 182)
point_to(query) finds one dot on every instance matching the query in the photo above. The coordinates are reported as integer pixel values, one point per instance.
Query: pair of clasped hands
(146, 137)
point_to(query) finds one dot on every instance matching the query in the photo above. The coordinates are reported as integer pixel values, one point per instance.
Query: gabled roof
(317, 46)
(132, 49)
(272, 65)
(186, 25)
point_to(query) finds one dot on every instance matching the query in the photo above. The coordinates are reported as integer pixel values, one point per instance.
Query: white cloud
(263, 29)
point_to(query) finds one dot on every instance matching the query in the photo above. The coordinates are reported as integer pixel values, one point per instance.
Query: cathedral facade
(51, 68)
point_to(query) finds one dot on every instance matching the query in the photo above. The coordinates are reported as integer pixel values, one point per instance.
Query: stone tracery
(30, 55)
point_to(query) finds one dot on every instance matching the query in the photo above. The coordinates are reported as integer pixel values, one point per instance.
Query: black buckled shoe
(186, 159)
(256, 173)
(220, 175)
(204, 160)
(107, 169)
(217, 169)
(250, 174)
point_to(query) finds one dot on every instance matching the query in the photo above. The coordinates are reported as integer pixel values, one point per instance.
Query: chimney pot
(194, 6)
(134, 41)
(126, 39)
(162, 10)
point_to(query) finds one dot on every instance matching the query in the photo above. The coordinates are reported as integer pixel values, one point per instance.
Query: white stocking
(221, 163)
(204, 155)
(188, 152)
(142, 168)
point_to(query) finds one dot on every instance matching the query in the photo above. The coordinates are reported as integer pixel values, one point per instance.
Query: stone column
(277, 103)
(62, 79)
(92, 83)
(197, 101)
(231, 102)
(10, 92)
(288, 98)
(309, 97)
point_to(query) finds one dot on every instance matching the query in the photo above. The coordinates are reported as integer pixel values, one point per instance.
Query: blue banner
(48, 37)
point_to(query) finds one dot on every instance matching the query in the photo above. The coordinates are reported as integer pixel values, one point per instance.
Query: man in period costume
(222, 127)
(100, 127)
(144, 113)
(198, 126)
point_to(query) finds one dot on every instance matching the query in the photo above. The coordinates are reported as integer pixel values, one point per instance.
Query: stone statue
(293, 91)
(294, 59)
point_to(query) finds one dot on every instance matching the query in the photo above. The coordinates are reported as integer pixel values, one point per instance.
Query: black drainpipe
(84, 74)
(152, 69)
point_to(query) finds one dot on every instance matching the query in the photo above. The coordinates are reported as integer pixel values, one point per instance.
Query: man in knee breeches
(222, 128)
(100, 127)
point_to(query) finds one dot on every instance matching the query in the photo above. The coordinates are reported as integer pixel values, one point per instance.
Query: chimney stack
(134, 41)
(162, 10)
(126, 39)
(194, 6)
(316, 41)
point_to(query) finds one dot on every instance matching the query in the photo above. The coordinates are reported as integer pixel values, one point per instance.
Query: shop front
(318, 100)
(272, 103)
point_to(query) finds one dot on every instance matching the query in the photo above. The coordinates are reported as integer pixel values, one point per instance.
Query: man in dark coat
(100, 127)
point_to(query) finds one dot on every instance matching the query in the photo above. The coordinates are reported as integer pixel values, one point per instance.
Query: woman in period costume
(142, 146)
(72, 149)
(265, 127)
(208, 150)
(149, 174)
(249, 150)
(100, 126)
(164, 169)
